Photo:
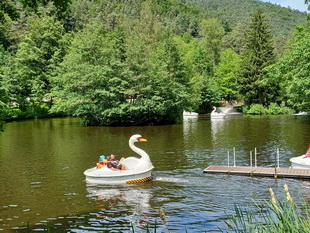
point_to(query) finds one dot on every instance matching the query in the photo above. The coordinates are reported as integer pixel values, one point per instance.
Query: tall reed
(273, 216)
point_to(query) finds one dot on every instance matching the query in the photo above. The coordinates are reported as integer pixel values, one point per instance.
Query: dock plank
(259, 171)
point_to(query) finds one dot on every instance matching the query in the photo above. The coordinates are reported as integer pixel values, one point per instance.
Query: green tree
(7, 15)
(258, 54)
(15, 8)
(129, 75)
(235, 39)
(60, 6)
(199, 70)
(8, 7)
(212, 32)
(27, 75)
(3, 105)
(155, 71)
(226, 73)
(3, 92)
(175, 64)
(292, 72)
(202, 81)
(89, 80)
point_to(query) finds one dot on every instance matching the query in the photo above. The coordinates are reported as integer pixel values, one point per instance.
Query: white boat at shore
(300, 162)
(139, 169)
(190, 114)
(301, 114)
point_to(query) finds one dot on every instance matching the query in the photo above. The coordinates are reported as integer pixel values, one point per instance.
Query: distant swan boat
(215, 114)
(301, 114)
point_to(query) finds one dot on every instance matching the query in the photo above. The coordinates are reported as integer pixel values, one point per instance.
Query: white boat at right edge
(300, 162)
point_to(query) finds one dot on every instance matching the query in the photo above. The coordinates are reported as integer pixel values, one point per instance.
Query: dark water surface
(42, 181)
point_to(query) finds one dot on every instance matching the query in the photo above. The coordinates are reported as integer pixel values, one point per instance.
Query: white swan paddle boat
(139, 169)
(190, 114)
(300, 162)
(215, 114)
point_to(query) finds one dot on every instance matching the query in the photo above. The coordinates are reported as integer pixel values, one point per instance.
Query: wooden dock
(260, 171)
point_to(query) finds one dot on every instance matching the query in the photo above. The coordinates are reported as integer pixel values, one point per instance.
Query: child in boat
(102, 162)
(116, 165)
(308, 152)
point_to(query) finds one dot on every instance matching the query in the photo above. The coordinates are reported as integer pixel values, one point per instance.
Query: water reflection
(118, 201)
(49, 186)
(138, 197)
(217, 126)
(189, 127)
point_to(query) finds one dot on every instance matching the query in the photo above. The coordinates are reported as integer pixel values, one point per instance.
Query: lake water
(42, 181)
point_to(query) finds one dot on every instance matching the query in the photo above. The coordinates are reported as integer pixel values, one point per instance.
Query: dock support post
(228, 158)
(275, 168)
(255, 159)
(278, 158)
(250, 158)
(234, 156)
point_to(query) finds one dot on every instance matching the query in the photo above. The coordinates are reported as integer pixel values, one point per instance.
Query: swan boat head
(138, 138)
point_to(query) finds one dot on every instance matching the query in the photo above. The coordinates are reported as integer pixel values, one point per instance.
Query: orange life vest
(102, 164)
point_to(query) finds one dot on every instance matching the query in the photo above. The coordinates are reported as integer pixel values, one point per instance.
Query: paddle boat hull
(300, 162)
(190, 114)
(218, 116)
(122, 177)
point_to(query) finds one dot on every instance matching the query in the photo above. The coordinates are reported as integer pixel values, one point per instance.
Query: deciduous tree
(212, 32)
(27, 75)
(292, 72)
(226, 73)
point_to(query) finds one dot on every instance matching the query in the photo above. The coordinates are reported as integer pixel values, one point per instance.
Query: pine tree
(258, 54)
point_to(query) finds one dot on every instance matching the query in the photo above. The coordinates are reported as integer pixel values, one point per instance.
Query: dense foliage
(292, 72)
(233, 12)
(272, 109)
(143, 62)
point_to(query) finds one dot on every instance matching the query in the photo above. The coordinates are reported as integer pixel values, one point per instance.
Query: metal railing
(277, 158)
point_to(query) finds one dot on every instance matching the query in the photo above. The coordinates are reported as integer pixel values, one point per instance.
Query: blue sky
(294, 4)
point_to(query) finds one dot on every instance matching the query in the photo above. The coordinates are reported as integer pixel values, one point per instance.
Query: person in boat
(102, 162)
(116, 165)
(308, 152)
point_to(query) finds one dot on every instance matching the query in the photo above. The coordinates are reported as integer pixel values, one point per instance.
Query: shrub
(32, 111)
(256, 109)
(276, 109)
(273, 109)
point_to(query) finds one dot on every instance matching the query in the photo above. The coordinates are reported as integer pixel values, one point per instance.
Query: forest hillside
(137, 62)
(232, 12)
